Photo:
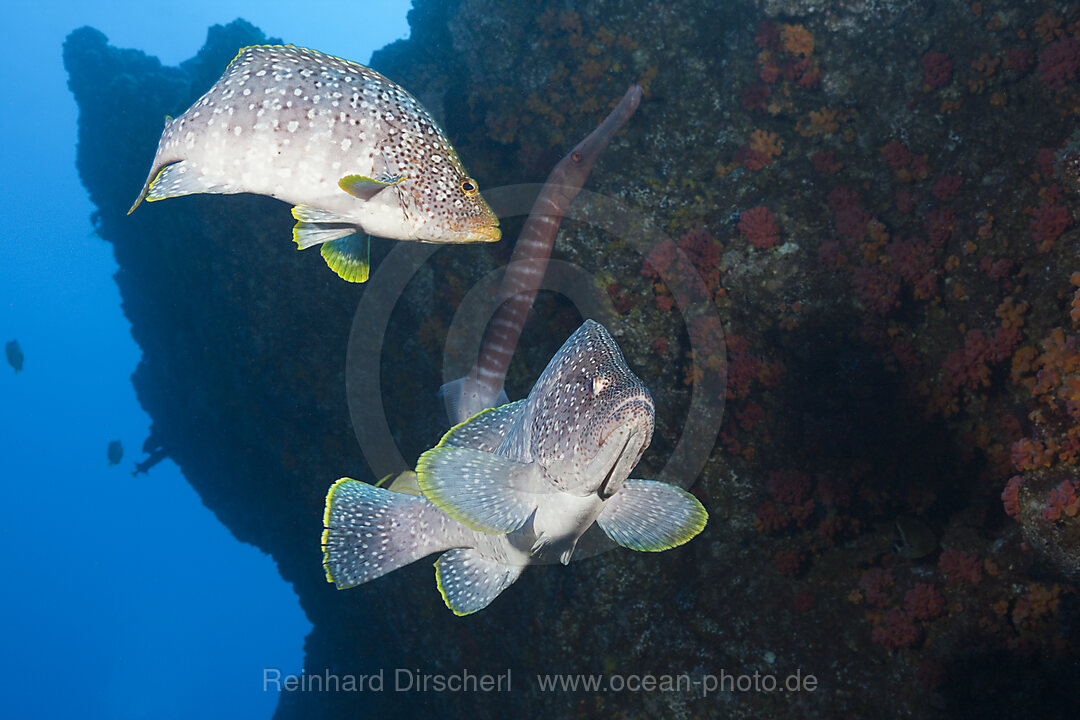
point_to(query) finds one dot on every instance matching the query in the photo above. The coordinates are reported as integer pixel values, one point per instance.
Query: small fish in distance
(115, 453)
(518, 485)
(14, 355)
(351, 150)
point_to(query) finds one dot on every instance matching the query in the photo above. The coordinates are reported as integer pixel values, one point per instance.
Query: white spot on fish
(291, 127)
(346, 144)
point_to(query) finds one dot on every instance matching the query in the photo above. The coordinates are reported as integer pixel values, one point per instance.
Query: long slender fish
(518, 485)
(353, 151)
(482, 387)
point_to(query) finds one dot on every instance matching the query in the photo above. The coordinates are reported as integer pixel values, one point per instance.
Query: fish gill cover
(881, 200)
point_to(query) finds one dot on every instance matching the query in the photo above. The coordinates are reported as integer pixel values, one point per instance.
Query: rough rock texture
(880, 199)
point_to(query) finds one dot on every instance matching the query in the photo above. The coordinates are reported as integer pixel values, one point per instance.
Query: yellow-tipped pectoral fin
(363, 187)
(651, 516)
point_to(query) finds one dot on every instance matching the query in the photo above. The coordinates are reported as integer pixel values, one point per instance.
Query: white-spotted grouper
(351, 150)
(518, 485)
(482, 387)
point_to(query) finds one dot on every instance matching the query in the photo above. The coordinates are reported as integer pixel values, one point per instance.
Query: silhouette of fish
(517, 485)
(351, 150)
(14, 355)
(115, 453)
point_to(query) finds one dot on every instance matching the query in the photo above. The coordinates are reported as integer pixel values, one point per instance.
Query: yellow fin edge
(436, 498)
(442, 591)
(244, 49)
(347, 267)
(326, 526)
(701, 519)
(144, 195)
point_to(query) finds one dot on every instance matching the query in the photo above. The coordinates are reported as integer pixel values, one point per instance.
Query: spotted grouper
(518, 485)
(352, 151)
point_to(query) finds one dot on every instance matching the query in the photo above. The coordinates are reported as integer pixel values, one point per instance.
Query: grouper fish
(518, 485)
(354, 152)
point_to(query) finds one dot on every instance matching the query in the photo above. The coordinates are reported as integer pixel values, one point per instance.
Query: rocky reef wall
(880, 199)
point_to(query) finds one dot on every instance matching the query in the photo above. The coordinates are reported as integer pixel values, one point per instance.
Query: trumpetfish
(482, 387)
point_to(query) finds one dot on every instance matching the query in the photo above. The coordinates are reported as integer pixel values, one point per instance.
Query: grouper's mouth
(623, 443)
(468, 231)
(485, 233)
(471, 229)
(630, 449)
(483, 226)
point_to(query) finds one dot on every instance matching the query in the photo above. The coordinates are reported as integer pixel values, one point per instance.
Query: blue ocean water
(125, 597)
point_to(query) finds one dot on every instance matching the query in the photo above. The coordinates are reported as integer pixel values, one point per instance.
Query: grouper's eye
(575, 156)
(599, 384)
(468, 186)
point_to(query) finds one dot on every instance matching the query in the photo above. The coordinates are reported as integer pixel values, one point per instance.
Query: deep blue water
(124, 597)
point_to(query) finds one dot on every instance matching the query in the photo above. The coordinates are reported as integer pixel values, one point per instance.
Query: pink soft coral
(759, 227)
(1059, 62)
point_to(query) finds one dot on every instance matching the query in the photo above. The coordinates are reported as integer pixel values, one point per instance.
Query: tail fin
(465, 397)
(371, 531)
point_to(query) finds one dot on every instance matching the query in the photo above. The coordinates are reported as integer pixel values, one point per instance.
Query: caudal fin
(370, 531)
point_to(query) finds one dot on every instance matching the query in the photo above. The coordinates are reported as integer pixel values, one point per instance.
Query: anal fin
(469, 582)
(349, 256)
(346, 251)
(651, 516)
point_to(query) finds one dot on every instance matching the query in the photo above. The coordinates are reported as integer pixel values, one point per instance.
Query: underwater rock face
(878, 199)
